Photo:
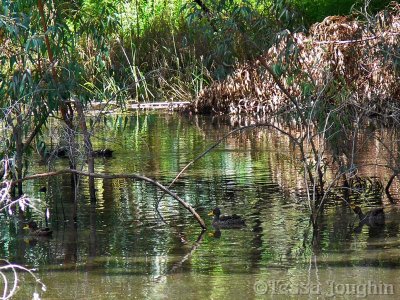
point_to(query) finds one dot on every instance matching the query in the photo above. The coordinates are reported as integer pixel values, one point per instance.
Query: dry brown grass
(341, 59)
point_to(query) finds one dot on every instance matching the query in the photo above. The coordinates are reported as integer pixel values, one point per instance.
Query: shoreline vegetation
(342, 56)
(343, 61)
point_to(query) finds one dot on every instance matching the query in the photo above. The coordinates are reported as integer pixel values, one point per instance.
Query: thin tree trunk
(17, 137)
(88, 148)
(65, 108)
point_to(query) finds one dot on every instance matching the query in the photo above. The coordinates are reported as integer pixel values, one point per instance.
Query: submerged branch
(116, 176)
(179, 264)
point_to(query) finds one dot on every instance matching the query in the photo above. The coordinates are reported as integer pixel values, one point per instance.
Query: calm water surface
(121, 248)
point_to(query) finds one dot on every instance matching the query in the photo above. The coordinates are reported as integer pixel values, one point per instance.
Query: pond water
(121, 248)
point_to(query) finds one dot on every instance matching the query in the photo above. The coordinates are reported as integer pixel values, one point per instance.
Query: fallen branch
(116, 176)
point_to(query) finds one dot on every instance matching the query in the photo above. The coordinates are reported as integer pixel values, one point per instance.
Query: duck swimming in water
(373, 218)
(34, 230)
(219, 221)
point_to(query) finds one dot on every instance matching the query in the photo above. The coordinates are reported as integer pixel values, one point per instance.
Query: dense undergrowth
(145, 50)
(178, 52)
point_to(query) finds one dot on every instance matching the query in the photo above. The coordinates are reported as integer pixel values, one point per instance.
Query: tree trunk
(88, 148)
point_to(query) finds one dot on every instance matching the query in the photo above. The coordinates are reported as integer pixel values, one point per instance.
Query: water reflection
(120, 248)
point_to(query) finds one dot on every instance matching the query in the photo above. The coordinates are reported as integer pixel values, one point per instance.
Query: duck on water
(34, 229)
(219, 221)
(374, 217)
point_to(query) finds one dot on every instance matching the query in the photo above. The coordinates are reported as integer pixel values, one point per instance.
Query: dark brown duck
(219, 221)
(34, 230)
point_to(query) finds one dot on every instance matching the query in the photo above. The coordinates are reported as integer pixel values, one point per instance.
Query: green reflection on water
(121, 249)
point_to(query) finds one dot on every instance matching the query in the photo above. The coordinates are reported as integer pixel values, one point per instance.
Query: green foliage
(35, 75)
(177, 48)
(316, 10)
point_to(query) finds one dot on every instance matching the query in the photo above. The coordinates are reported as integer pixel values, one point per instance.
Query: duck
(219, 221)
(103, 153)
(34, 229)
(373, 218)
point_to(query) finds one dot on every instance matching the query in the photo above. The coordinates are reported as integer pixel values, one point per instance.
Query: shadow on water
(119, 248)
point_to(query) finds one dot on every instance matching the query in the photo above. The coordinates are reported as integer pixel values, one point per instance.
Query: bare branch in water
(115, 176)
